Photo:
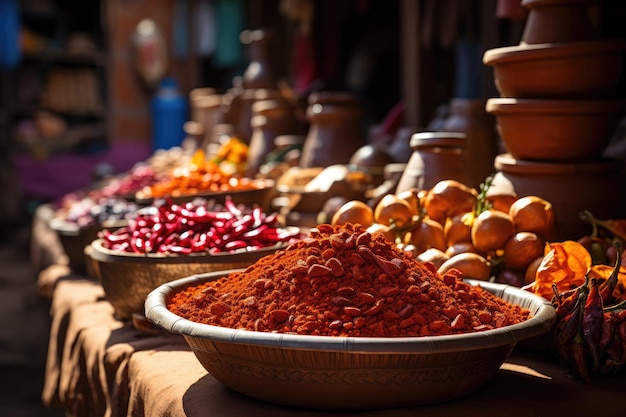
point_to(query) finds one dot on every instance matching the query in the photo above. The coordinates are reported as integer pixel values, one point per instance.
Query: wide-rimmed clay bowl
(556, 130)
(579, 70)
(127, 278)
(325, 372)
(261, 194)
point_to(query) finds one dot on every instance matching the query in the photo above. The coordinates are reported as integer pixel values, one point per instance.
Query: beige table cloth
(100, 366)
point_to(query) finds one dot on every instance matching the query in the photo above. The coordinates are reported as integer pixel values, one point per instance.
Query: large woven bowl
(348, 373)
(127, 278)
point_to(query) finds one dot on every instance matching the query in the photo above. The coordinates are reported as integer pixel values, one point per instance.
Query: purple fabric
(51, 178)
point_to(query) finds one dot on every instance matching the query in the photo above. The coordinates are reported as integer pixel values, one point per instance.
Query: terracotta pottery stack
(558, 110)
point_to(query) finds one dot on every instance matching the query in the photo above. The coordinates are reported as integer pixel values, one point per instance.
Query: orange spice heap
(344, 281)
(199, 176)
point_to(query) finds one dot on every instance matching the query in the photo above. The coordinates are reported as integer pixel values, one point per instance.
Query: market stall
(101, 366)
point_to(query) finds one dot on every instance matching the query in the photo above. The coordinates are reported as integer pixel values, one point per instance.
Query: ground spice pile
(344, 281)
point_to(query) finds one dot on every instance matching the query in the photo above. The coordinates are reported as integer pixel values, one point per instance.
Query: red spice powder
(344, 281)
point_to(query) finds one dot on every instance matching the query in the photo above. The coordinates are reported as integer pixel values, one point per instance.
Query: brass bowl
(127, 278)
(348, 373)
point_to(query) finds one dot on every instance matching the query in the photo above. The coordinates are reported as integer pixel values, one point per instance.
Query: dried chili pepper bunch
(599, 242)
(198, 226)
(590, 334)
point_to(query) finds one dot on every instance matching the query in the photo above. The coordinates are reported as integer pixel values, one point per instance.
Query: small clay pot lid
(508, 164)
(545, 51)
(439, 139)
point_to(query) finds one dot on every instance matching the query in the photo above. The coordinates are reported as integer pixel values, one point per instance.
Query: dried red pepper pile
(198, 226)
(590, 334)
(344, 281)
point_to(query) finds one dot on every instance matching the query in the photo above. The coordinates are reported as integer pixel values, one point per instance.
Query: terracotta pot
(336, 129)
(400, 148)
(436, 156)
(207, 111)
(371, 160)
(469, 116)
(578, 70)
(259, 73)
(559, 21)
(270, 118)
(570, 187)
(556, 130)
(511, 9)
(241, 104)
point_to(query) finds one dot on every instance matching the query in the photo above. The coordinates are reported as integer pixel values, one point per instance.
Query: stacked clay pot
(558, 110)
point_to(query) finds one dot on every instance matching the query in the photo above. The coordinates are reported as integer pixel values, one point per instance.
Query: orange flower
(565, 265)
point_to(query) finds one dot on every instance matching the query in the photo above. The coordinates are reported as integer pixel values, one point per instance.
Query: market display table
(100, 366)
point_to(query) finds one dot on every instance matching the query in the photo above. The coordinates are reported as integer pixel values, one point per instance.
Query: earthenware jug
(481, 147)
(436, 156)
(259, 73)
(336, 129)
(270, 118)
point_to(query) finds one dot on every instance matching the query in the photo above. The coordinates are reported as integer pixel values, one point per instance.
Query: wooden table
(100, 366)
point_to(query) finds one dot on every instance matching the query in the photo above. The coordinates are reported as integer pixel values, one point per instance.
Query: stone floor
(24, 329)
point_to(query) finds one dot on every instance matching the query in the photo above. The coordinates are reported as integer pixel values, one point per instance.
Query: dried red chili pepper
(198, 226)
(578, 357)
(565, 302)
(593, 317)
(608, 287)
(565, 330)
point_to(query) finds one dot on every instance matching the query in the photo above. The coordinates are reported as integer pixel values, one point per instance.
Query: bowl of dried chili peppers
(167, 240)
(345, 320)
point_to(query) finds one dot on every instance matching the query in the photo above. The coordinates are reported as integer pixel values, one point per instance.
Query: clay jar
(335, 132)
(569, 187)
(470, 117)
(371, 160)
(436, 156)
(551, 21)
(243, 104)
(259, 72)
(270, 118)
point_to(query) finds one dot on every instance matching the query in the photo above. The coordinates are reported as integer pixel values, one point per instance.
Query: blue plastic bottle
(170, 111)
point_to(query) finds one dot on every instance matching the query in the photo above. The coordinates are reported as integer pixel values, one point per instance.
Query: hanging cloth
(230, 15)
(9, 34)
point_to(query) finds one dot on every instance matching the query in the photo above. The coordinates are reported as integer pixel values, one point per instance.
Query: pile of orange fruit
(487, 237)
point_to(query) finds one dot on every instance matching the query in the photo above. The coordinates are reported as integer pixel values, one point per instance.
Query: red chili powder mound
(344, 281)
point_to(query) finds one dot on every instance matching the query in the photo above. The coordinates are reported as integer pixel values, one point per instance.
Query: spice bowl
(350, 373)
(260, 193)
(556, 130)
(75, 239)
(127, 278)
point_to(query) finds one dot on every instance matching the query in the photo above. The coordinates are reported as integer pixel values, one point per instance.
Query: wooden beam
(410, 65)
